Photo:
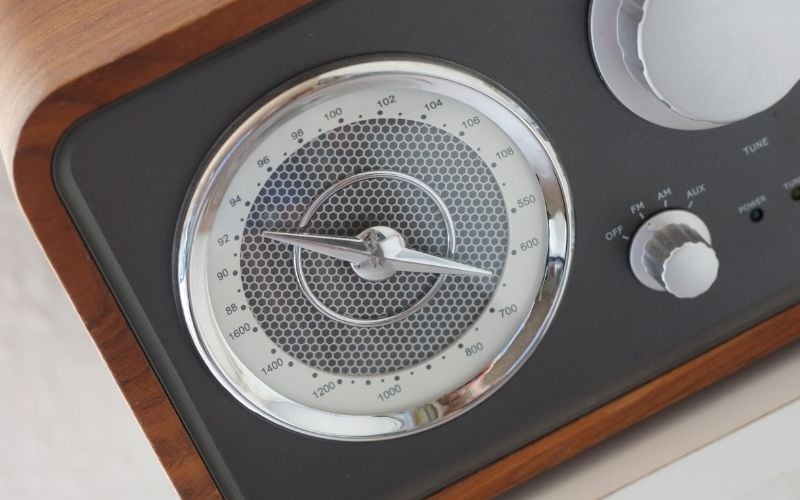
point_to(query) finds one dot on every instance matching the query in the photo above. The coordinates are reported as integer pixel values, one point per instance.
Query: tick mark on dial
(273, 351)
(314, 375)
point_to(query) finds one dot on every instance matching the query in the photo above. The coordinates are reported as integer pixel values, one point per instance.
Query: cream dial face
(366, 254)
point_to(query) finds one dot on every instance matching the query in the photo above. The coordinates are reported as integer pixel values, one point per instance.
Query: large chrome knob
(697, 64)
(671, 252)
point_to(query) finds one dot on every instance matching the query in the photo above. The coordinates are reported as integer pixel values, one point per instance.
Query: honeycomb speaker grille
(432, 155)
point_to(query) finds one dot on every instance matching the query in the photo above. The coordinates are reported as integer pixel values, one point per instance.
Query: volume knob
(672, 253)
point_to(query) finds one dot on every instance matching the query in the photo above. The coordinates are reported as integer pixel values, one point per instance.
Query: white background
(66, 432)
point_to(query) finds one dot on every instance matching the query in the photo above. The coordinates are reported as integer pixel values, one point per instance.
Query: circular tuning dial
(690, 64)
(671, 252)
(375, 248)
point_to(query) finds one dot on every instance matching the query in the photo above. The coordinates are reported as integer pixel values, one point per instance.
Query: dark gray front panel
(124, 173)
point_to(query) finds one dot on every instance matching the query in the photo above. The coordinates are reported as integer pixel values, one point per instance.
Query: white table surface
(66, 432)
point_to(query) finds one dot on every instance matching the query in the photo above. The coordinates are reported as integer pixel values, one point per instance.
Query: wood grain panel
(63, 59)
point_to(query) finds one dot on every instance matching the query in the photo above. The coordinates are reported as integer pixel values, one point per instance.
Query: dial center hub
(383, 243)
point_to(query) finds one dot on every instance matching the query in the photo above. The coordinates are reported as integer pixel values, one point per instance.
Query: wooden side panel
(46, 43)
(60, 61)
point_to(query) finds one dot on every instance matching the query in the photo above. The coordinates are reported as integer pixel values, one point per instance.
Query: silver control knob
(671, 252)
(697, 64)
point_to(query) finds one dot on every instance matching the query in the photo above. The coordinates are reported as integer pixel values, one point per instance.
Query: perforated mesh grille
(432, 155)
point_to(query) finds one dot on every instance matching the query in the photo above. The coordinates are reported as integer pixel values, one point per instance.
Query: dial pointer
(378, 246)
(411, 260)
(353, 250)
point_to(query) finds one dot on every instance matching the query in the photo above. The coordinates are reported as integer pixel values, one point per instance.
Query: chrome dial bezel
(194, 235)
